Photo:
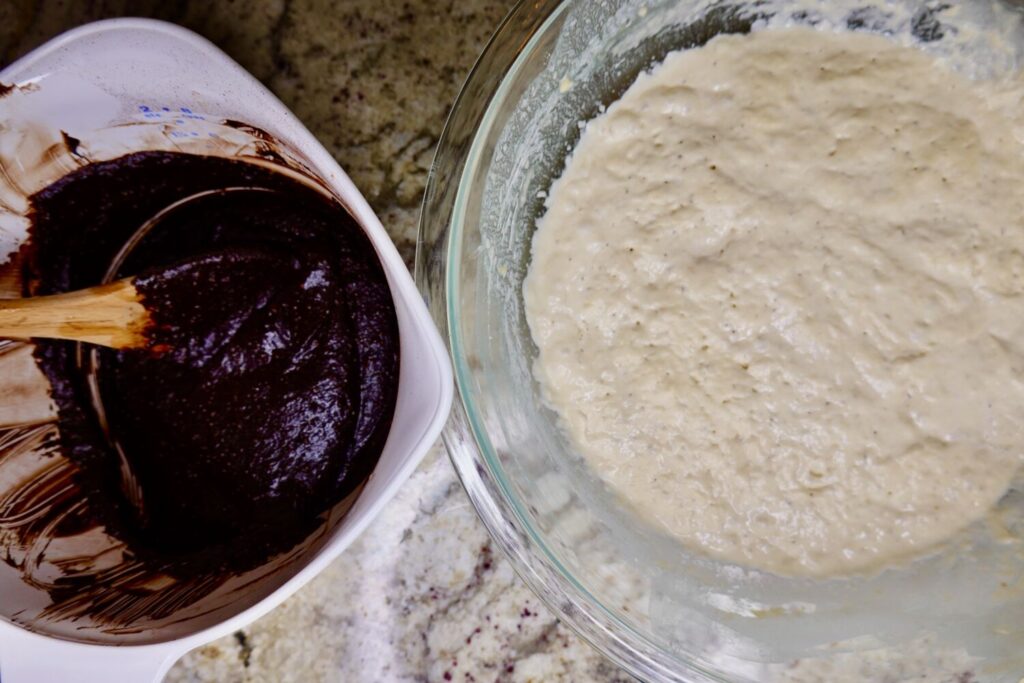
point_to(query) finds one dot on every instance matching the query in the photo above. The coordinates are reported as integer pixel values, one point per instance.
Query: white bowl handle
(30, 658)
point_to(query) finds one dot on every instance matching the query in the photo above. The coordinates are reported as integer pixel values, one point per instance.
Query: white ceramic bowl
(127, 85)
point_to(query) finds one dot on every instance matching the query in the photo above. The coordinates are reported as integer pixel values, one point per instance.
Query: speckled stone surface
(372, 79)
(422, 595)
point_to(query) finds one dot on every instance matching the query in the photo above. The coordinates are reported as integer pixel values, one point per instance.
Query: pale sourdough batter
(778, 294)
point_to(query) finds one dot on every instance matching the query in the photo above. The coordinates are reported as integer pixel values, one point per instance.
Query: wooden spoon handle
(109, 315)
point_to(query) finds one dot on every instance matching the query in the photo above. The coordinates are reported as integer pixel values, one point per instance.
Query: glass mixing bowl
(658, 610)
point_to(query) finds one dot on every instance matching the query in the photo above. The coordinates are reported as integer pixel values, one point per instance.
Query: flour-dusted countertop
(423, 595)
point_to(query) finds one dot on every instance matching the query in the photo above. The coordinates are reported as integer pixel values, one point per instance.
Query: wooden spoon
(109, 315)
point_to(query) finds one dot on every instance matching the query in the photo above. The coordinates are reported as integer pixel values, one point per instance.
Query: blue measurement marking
(189, 114)
(181, 116)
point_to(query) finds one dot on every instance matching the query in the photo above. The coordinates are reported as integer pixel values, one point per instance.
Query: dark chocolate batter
(275, 396)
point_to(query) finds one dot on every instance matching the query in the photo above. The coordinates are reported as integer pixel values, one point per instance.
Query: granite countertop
(423, 595)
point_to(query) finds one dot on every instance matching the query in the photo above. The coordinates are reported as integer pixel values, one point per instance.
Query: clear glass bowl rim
(467, 445)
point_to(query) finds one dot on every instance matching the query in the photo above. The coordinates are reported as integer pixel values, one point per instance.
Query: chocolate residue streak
(252, 130)
(8, 88)
(270, 407)
(71, 142)
(267, 147)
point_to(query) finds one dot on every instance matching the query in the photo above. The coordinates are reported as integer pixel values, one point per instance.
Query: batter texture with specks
(778, 296)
